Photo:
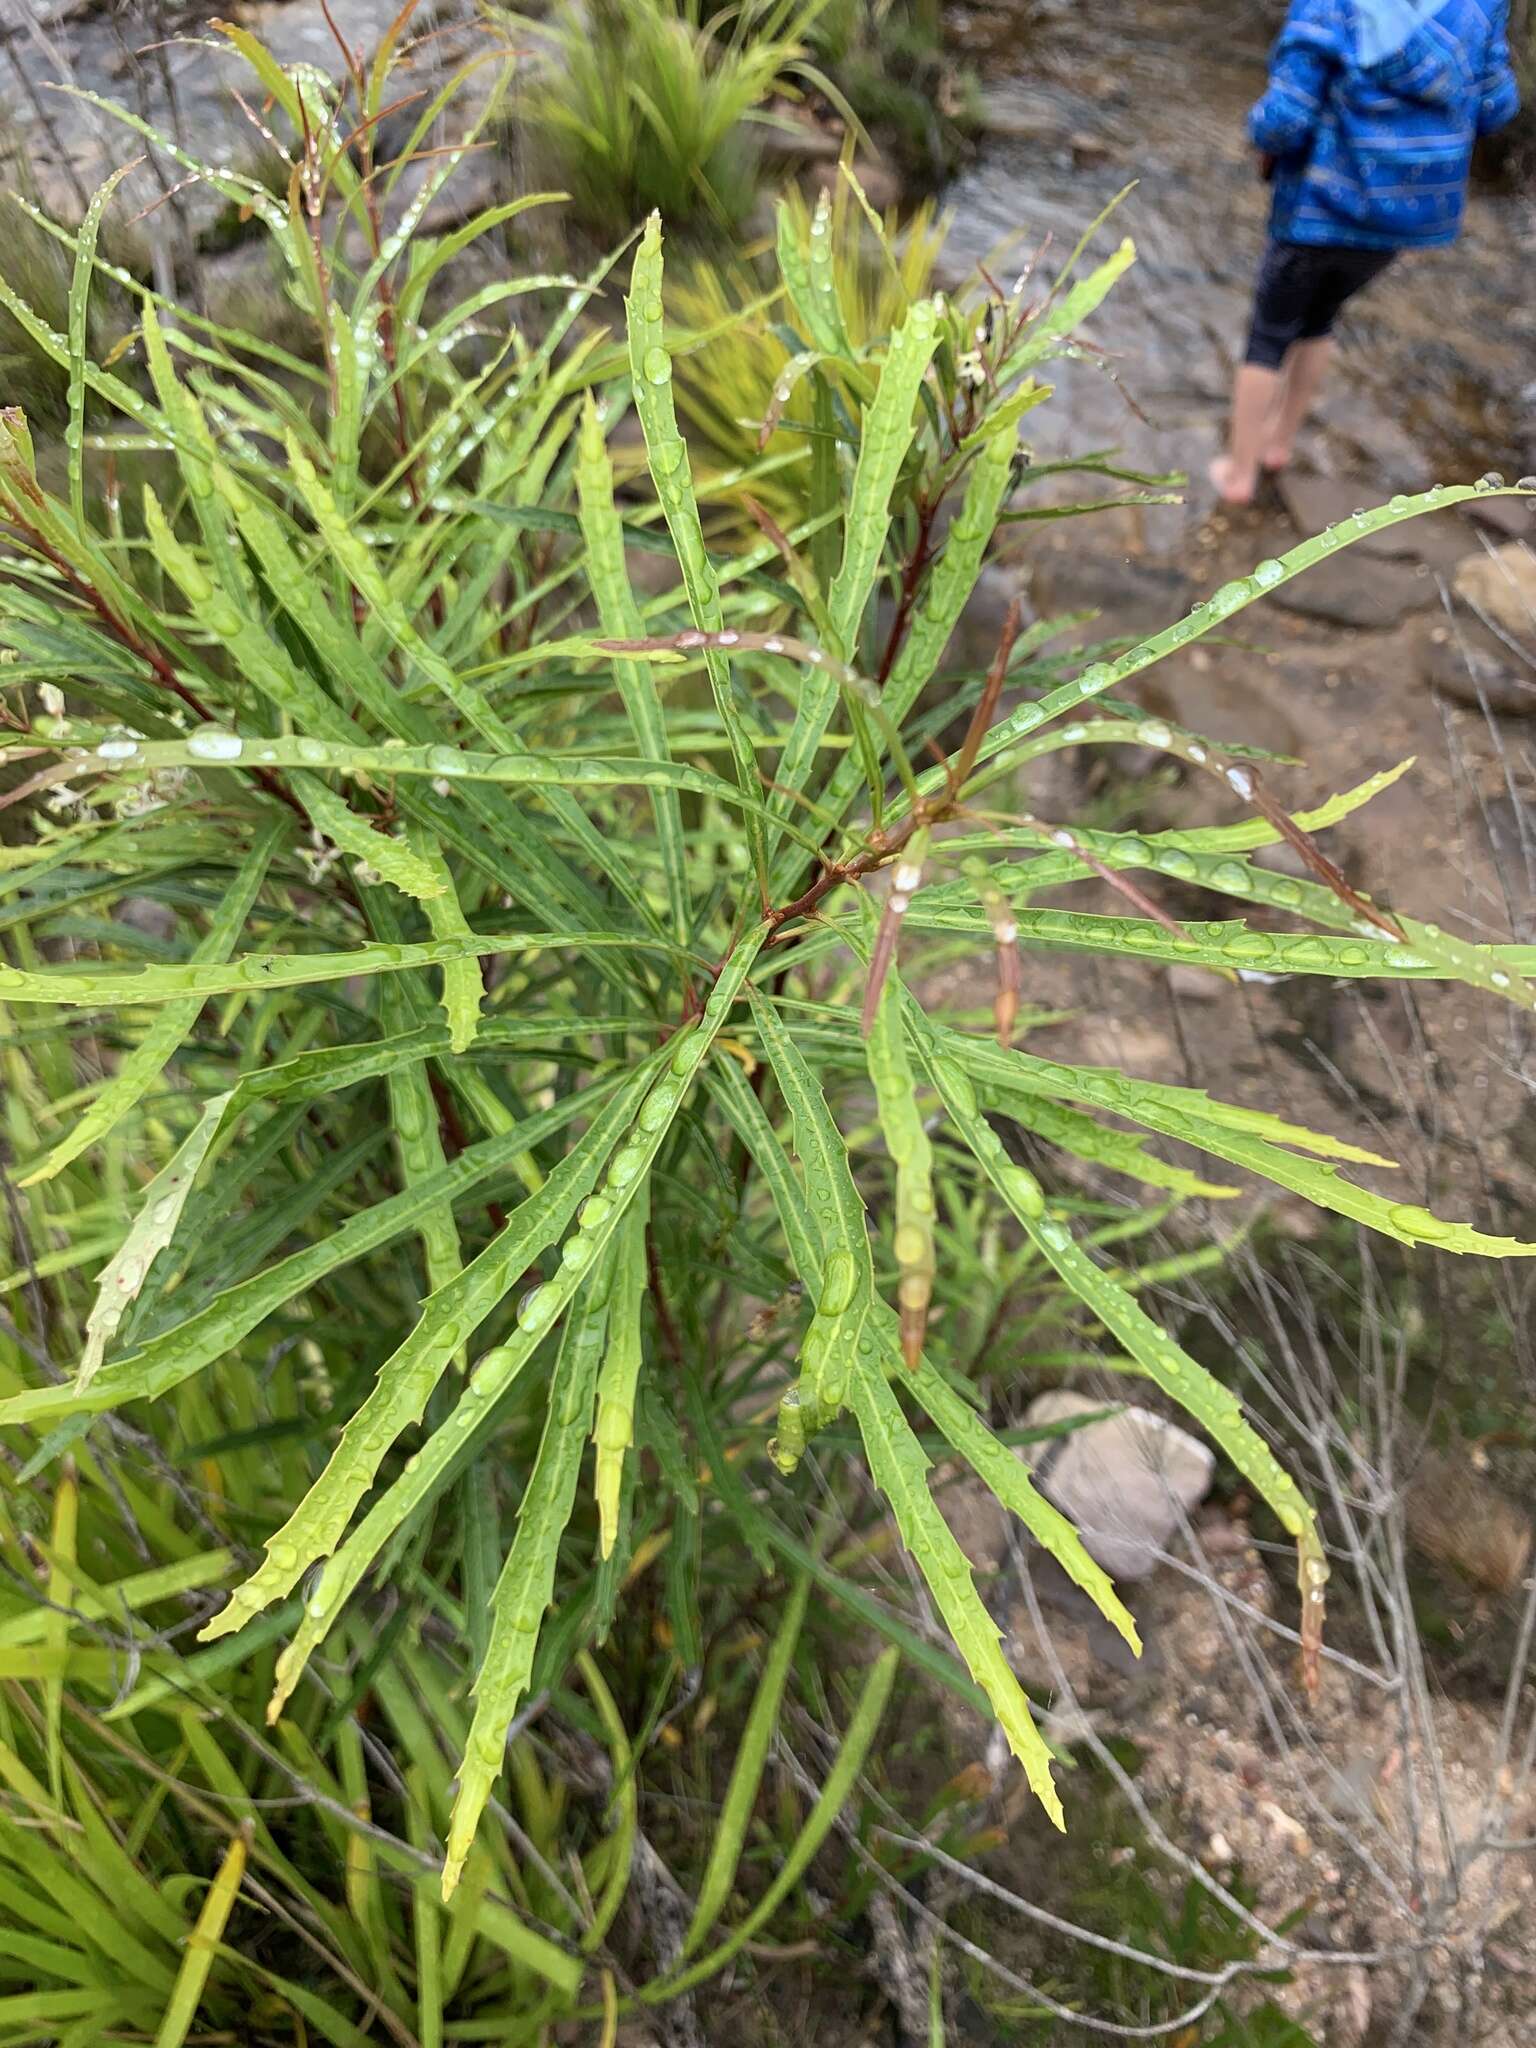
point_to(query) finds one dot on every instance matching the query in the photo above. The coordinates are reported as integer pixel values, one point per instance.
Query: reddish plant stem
(911, 577)
(986, 707)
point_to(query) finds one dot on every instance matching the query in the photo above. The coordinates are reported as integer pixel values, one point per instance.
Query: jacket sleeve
(1498, 94)
(1307, 52)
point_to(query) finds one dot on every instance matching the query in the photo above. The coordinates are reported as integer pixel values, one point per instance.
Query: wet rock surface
(164, 62)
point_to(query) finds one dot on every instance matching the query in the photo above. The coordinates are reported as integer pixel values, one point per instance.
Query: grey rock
(144, 914)
(1126, 1481)
(1129, 594)
(1513, 517)
(1017, 111)
(1369, 593)
(1231, 698)
(1472, 667)
(1438, 540)
(1317, 502)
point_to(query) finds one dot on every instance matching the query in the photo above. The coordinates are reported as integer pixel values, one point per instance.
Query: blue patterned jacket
(1372, 110)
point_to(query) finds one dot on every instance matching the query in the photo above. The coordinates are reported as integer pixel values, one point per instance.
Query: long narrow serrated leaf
(92, 988)
(619, 616)
(1207, 617)
(463, 987)
(651, 368)
(528, 1576)
(899, 1468)
(143, 1066)
(901, 1125)
(1167, 1364)
(817, 310)
(1067, 313)
(170, 1357)
(391, 859)
(546, 771)
(886, 437)
(419, 1149)
(1103, 1146)
(1008, 1478)
(391, 615)
(431, 1467)
(148, 1234)
(406, 1379)
(842, 1330)
(613, 1432)
(79, 317)
(1250, 1138)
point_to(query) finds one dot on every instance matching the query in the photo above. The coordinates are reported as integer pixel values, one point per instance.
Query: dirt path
(1369, 659)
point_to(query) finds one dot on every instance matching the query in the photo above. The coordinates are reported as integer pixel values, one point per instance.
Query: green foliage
(902, 80)
(645, 104)
(754, 362)
(432, 1020)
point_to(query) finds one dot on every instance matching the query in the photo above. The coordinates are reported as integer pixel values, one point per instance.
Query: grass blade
(730, 1833)
(203, 1943)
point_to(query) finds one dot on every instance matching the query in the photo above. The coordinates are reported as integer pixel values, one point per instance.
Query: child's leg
(1281, 301)
(1338, 275)
(1256, 395)
(1306, 366)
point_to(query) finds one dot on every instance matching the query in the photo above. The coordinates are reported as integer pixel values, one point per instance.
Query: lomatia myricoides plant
(572, 937)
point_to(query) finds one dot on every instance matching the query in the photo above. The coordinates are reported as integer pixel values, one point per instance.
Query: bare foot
(1276, 458)
(1232, 487)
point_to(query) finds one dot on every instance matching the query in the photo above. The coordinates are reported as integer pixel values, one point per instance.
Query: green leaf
(844, 1327)
(809, 295)
(620, 618)
(170, 1357)
(1008, 1478)
(448, 1320)
(730, 1831)
(886, 437)
(651, 368)
(463, 989)
(148, 1234)
(143, 1066)
(1167, 1364)
(899, 1468)
(836, 1789)
(203, 1945)
(1229, 1132)
(419, 1147)
(91, 988)
(1067, 313)
(1225, 604)
(528, 1576)
(614, 1431)
(393, 861)
(432, 1466)
(901, 1125)
(79, 316)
